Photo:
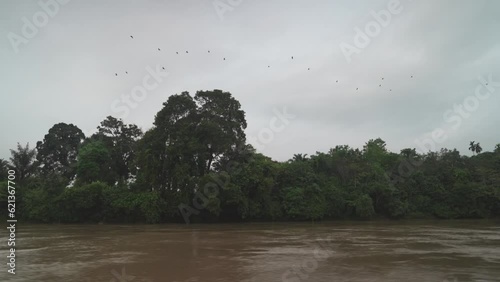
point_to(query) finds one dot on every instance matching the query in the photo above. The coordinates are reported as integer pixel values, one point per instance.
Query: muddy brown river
(289, 252)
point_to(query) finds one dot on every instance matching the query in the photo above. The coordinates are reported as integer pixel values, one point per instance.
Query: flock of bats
(187, 52)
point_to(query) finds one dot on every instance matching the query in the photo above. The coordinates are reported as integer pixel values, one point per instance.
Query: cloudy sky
(58, 64)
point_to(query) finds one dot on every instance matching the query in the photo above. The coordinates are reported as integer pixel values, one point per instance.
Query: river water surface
(334, 251)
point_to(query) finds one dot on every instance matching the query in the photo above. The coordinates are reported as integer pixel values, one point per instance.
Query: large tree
(221, 126)
(94, 164)
(190, 138)
(168, 150)
(374, 150)
(58, 151)
(120, 140)
(23, 160)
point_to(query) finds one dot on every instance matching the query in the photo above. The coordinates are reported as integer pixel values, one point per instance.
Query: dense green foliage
(194, 165)
(58, 151)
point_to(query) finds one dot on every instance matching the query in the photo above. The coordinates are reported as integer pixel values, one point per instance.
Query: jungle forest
(195, 166)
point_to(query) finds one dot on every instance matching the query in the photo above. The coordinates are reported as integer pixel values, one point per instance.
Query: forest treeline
(194, 165)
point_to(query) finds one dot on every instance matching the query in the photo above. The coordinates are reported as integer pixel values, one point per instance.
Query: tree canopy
(58, 151)
(23, 160)
(195, 165)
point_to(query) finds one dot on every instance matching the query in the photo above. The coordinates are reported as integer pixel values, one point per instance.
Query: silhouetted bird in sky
(177, 53)
(116, 74)
(187, 52)
(382, 78)
(292, 57)
(308, 68)
(380, 85)
(356, 88)
(412, 76)
(337, 81)
(268, 66)
(126, 72)
(131, 37)
(224, 59)
(159, 49)
(163, 67)
(208, 51)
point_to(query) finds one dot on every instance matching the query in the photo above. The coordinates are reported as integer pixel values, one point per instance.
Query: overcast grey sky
(66, 71)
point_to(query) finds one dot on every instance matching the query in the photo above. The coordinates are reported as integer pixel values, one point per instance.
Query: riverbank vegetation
(194, 165)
